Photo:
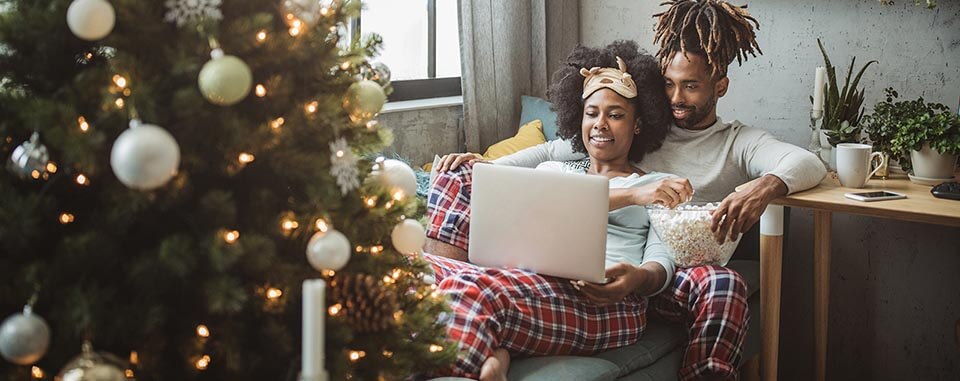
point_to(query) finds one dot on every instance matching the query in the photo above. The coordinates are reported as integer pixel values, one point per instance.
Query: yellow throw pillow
(529, 135)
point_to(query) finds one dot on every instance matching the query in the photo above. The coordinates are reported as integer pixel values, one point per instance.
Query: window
(421, 45)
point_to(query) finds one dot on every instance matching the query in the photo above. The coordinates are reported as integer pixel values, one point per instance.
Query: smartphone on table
(874, 196)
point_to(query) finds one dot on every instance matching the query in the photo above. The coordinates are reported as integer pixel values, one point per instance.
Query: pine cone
(367, 305)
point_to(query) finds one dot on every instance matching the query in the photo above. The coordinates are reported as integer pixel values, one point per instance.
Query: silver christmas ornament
(377, 72)
(29, 159)
(93, 366)
(24, 337)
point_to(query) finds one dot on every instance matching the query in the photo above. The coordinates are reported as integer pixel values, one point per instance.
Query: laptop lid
(547, 222)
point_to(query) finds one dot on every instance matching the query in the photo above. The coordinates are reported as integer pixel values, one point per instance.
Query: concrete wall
(895, 286)
(420, 134)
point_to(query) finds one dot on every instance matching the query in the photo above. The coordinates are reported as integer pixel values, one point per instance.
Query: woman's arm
(668, 192)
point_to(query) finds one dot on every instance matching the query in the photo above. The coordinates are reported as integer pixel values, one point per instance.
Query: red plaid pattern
(535, 315)
(528, 314)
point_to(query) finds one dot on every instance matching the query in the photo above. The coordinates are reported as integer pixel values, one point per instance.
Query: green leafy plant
(842, 107)
(882, 125)
(924, 123)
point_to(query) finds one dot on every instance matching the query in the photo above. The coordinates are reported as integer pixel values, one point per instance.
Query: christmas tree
(177, 169)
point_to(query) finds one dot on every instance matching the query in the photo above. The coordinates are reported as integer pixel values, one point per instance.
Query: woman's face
(608, 125)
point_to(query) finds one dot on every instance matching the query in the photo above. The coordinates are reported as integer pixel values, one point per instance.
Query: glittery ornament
(30, 158)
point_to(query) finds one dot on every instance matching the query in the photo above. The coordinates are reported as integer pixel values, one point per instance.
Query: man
(715, 156)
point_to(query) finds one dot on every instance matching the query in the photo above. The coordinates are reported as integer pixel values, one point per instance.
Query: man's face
(693, 91)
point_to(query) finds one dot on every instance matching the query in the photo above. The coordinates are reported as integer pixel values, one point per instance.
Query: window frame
(424, 88)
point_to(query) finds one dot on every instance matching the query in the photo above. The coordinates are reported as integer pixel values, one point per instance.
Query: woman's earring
(636, 132)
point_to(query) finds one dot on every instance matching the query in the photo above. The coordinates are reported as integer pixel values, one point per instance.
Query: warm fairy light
(324, 11)
(277, 123)
(289, 225)
(396, 273)
(203, 331)
(36, 372)
(295, 26)
(345, 65)
(322, 225)
(274, 293)
(35, 174)
(262, 36)
(245, 158)
(388, 204)
(387, 353)
(88, 56)
(333, 29)
(66, 218)
(398, 195)
(127, 92)
(128, 373)
(51, 167)
(134, 358)
(356, 355)
(375, 250)
(82, 122)
(261, 90)
(82, 180)
(231, 236)
(340, 153)
(119, 102)
(311, 107)
(398, 315)
(334, 309)
(388, 280)
(435, 348)
(203, 362)
(328, 273)
(120, 81)
(359, 249)
(372, 124)
(371, 201)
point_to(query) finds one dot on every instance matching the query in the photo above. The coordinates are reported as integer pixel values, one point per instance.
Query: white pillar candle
(313, 330)
(818, 88)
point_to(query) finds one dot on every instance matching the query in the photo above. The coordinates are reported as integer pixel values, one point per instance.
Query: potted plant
(882, 125)
(930, 133)
(842, 108)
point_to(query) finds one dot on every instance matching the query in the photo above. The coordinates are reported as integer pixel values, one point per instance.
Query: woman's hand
(452, 161)
(668, 192)
(624, 279)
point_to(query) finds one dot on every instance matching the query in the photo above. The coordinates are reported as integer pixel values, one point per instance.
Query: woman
(498, 313)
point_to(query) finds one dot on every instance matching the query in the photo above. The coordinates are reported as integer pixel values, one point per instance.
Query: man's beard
(696, 114)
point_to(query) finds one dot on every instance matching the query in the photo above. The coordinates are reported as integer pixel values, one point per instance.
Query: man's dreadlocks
(714, 28)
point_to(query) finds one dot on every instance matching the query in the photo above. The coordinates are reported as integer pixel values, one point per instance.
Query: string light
(245, 158)
(396, 273)
(274, 293)
(372, 124)
(398, 195)
(120, 81)
(435, 348)
(295, 26)
(370, 201)
(398, 315)
(334, 309)
(66, 218)
(262, 36)
(289, 225)
(134, 358)
(82, 180)
(261, 90)
(88, 56)
(388, 280)
(277, 123)
(127, 92)
(128, 373)
(311, 107)
(375, 250)
(328, 273)
(203, 331)
(51, 167)
(359, 249)
(231, 237)
(35, 174)
(324, 11)
(357, 355)
(322, 225)
(119, 102)
(82, 122)
(203, 362)
(36, 372)
(345, 65)
(340, 153)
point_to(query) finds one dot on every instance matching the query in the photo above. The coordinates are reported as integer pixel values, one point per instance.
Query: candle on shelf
(313, 331)
(818, 88)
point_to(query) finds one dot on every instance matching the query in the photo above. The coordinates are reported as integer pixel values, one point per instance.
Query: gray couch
(657, 356)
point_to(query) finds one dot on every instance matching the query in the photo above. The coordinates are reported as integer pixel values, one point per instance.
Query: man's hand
(452, 161)
(741, 209)
(624, 279)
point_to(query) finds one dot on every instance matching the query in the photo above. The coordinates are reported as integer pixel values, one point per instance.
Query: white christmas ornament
(408, 236)
(93, 366)
(328, 250)
(343, 165)
(225, 80)
(90, 20)
(24, 338)
(145, 156)
(185, 11)
(396, 176)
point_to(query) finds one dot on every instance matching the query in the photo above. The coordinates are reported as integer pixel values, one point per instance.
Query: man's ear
(721, 86)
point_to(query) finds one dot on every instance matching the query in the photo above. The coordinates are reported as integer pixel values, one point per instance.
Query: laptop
(547, 222)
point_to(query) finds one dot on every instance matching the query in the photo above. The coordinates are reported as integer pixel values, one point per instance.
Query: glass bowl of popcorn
(685, 231)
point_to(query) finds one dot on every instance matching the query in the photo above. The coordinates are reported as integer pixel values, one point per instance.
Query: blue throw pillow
(535, 108)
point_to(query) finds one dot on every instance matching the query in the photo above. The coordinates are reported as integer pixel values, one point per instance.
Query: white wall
(895, 287)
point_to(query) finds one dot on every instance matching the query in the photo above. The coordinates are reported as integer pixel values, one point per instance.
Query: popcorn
(685, 231)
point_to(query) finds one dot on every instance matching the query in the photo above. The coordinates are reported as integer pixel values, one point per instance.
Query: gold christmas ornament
(364, 100)
(366, 305)
(225, 80)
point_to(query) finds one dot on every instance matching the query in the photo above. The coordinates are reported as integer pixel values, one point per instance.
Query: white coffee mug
(854, 162)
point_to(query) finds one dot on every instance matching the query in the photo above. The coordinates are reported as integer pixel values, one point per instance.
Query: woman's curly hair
(651, 106)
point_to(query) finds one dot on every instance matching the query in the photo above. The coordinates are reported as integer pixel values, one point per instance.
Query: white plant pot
(931, 164)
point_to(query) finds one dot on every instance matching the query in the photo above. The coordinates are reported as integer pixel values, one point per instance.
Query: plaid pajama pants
(530, 314)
